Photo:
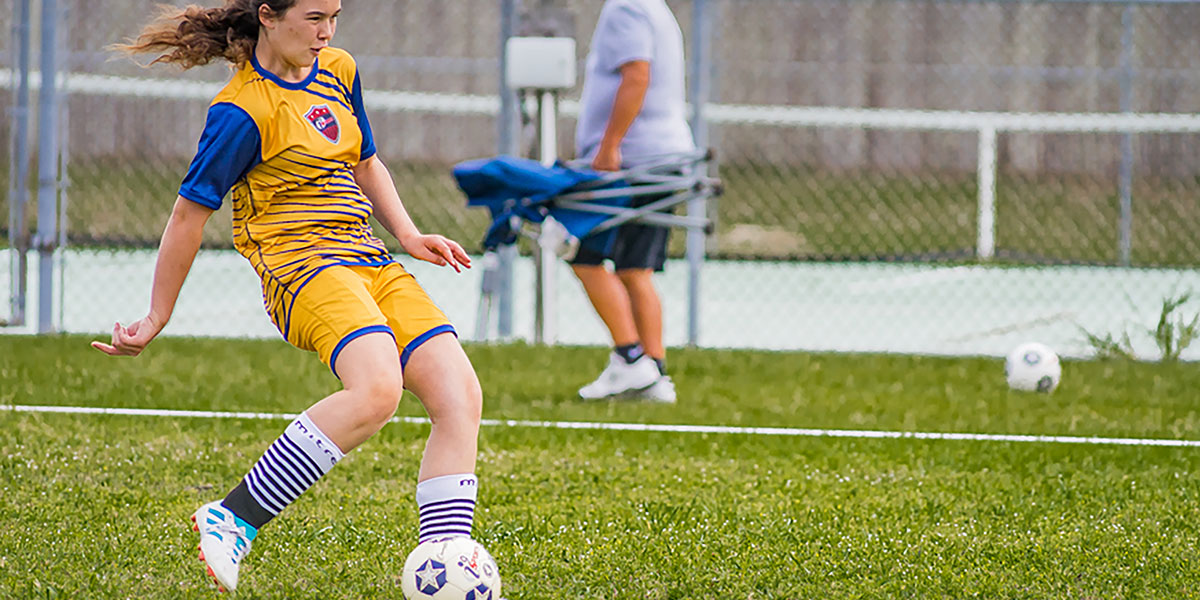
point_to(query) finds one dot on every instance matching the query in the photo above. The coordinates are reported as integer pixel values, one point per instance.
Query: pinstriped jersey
(286, 152)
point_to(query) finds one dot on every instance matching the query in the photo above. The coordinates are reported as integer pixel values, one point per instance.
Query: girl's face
(302, 31)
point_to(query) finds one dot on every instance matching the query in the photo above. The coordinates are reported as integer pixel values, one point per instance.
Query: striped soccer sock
(447, 506)
(290, 466)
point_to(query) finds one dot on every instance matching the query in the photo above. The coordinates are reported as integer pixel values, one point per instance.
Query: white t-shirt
(630, 30)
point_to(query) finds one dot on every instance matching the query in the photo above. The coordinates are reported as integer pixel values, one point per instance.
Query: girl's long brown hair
(195, 35)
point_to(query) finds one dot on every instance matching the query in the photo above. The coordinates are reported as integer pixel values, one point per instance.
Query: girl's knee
(380, 396)
(462, 405)
(473, 399)
(468, 406)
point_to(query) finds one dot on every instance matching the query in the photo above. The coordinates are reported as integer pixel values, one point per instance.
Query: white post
(547, 263)
(985, 247)
(549, 136)
(546, 65)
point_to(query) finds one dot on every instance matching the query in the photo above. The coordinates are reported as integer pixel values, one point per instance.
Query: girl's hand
(131, 340)
(437, 249)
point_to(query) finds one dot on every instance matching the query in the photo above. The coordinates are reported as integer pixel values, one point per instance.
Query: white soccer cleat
(620, 377)
(663, 390)
(223, 543)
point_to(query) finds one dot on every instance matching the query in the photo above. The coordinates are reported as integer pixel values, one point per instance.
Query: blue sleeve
(229, 147)
(360, 111)
(625, 36)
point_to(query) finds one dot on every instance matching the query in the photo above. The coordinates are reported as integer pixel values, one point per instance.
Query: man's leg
(629, 368)
(646, 307)
(644, 252)
(647, 313)
(611, 301)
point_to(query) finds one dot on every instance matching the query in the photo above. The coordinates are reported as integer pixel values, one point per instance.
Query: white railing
(987, 125)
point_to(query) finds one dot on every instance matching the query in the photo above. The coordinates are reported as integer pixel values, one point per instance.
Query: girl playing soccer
(289, 140)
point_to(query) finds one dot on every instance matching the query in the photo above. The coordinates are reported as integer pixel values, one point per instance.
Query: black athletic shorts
(637, 246)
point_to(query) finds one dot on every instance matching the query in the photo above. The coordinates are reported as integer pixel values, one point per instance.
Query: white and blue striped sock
(447, 506)
(291, 465)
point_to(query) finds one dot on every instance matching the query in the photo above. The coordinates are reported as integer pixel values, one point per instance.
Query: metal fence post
(46, 239)
(64, 183)
(700, 71)
(507, 143)
(1125, 174)
(18, 178)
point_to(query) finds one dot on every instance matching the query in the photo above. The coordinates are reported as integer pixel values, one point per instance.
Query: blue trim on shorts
(357, 333)
(421, 339)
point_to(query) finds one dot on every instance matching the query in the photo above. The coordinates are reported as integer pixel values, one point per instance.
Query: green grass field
(767, 212)
(96, 506)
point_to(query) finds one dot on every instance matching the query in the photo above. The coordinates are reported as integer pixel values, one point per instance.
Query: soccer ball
(1032, 367)
(457, 568)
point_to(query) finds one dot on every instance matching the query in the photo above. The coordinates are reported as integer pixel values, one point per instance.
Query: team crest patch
(323, 119)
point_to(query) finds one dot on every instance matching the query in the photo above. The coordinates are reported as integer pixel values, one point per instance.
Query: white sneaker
(223, 543)
(663, 391)
(620, 377)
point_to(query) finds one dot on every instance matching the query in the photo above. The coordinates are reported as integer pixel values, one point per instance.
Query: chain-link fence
(848, 191)
(847, 131)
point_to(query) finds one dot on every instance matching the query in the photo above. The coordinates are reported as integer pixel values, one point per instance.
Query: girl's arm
(376, 182)
(180, 242)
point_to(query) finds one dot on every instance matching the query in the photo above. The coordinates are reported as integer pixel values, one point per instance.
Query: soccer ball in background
(457, 568)
(1033, 367)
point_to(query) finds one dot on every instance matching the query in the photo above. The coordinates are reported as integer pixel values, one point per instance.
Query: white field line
(644, 427)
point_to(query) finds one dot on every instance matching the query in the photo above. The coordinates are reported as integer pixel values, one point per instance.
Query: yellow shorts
(343, 302)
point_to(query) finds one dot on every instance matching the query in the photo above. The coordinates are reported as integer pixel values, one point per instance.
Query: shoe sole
(651, 399)
(626, 392)
(626, 395)
(630, 394)
(656, 400)
(207, 569)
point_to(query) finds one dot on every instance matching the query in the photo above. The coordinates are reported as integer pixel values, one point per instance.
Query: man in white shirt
(632, 107)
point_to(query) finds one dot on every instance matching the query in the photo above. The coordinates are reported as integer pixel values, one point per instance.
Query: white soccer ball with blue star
(1033, 367)
(457, 568)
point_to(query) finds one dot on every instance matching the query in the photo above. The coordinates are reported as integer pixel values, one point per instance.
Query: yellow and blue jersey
(287, 152)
